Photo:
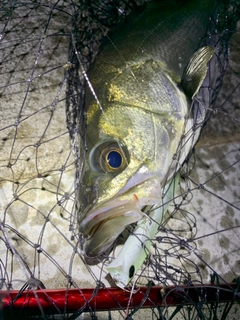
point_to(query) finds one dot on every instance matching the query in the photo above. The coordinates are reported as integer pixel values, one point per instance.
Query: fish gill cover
(46, 48)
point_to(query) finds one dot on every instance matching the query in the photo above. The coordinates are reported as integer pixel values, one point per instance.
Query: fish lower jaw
(100, 237)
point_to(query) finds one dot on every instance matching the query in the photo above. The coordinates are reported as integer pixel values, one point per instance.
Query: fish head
(132, 132)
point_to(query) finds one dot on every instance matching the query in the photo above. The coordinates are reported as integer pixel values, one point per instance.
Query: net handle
(35, 302)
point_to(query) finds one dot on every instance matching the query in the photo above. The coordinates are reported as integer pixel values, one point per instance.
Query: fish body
(140, 116)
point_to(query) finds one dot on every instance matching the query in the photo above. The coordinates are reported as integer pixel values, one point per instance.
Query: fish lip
(96, 217)
(103, 234)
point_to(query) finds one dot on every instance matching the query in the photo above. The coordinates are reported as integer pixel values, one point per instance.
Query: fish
(144, 111)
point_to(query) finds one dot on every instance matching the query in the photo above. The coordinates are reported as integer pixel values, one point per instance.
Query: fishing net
(192, 271)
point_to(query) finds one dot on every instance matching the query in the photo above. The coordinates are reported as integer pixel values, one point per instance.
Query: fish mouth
(102, 227)
(103, 224)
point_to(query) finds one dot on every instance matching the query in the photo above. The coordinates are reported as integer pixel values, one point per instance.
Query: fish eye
(112, 159)
(109, 157)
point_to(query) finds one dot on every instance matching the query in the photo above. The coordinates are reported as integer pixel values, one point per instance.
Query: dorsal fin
(196, 70)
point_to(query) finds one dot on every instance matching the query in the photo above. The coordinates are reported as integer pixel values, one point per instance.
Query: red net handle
(34, 302)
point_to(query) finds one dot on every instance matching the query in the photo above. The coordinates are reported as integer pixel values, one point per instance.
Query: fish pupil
(114, 159)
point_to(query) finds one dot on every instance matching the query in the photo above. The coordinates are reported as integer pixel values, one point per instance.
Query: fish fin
(196, 70)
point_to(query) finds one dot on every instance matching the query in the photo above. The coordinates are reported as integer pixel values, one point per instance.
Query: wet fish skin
(139, 110)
